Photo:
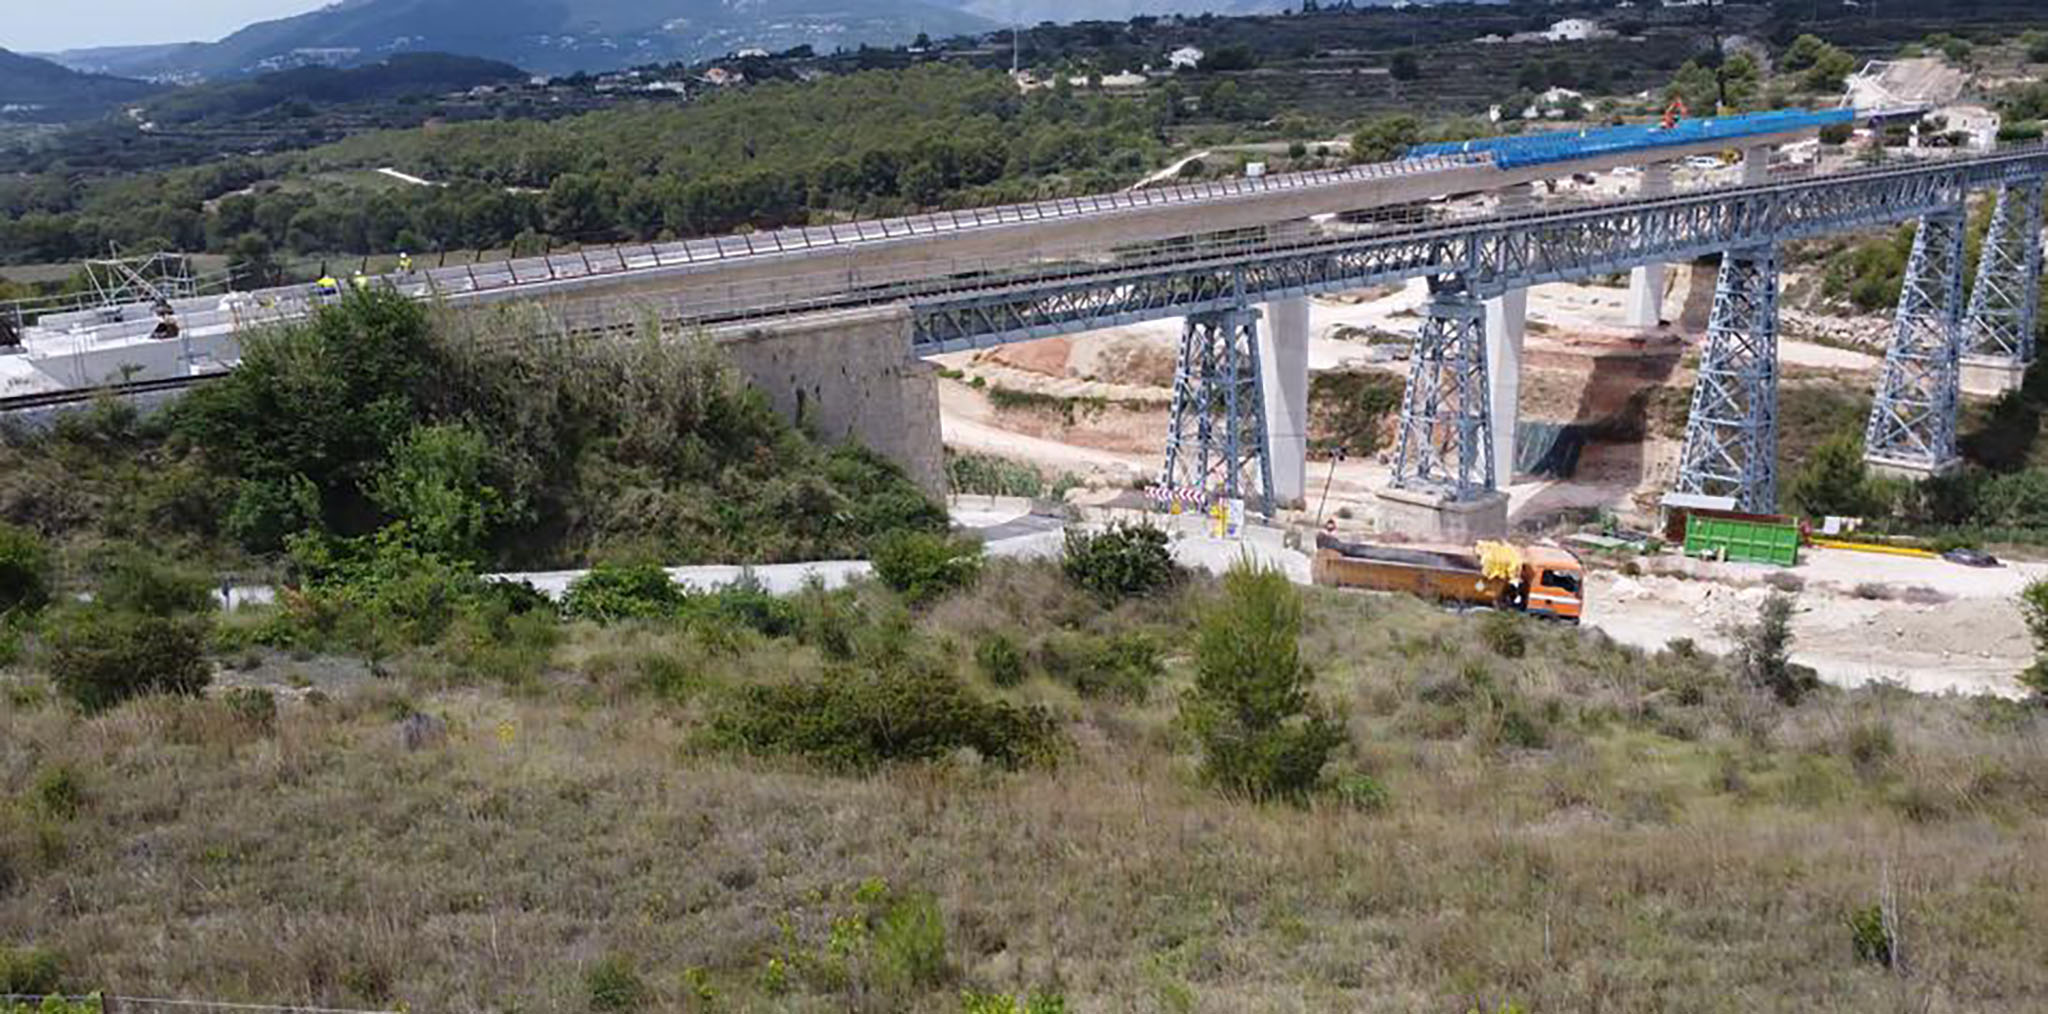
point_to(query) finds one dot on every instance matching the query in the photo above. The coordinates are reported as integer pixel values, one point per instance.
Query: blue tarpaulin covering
(1567, 145)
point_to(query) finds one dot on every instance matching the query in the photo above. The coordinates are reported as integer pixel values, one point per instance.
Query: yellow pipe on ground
(1868, 547)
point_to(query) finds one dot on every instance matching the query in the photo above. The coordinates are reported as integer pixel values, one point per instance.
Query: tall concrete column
(1646, 283)
(1756, 165)
(1507, 323)
(1283, 360)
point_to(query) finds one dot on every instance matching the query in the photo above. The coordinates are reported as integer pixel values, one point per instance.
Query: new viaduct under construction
(833, 321)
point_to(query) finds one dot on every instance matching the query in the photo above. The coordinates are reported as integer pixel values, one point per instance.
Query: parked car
(1971, 558)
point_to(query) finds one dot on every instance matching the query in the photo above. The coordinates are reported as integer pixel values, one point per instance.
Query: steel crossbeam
(1494, 255)
(1731, 433)
(1218, 445)
(1913, 420)
(1446, 446)
(2006, 300)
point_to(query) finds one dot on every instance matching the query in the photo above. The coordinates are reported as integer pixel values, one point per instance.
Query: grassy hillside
(1520, 818)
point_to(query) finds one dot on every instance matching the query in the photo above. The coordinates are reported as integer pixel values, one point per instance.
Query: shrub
(611, 592)
(1122, 561)
(138, 581)
(910, 945)
(747, 603)
(860, 719)
(922, 566)
(30, 971)
(1037, 1002)
(436, 481)
(381, 592)
(24, 570)
(1870, 937)
(1261, 732)
(1000, 659)
(100, 657)
(1122, 666)
(1504, 635)
(1363, 792)
(1763, 653)
(58, 792)
(254, 705)
(615, 985)
(2034, 608)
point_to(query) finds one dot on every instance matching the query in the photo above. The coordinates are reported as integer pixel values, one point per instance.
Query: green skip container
(1775, 542)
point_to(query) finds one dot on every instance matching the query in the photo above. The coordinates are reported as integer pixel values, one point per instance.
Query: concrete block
(1432, 517)
(1992, 377)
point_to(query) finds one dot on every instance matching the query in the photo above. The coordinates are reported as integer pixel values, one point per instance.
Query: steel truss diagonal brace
(1446, 447)
(1218, 445)
(2006, 300)
(1913, 419)
(1731, 435)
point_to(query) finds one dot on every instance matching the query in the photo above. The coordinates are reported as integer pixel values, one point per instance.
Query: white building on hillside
(1185, 58)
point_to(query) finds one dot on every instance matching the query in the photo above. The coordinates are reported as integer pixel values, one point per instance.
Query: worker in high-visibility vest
(404, 263)
(327, 287)
(360, 281)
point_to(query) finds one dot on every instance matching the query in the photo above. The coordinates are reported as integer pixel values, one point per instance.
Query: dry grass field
(1526, 818)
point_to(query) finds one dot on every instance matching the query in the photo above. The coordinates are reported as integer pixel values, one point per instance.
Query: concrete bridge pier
(1645, 304)
(1283, 364)
(1507, 325)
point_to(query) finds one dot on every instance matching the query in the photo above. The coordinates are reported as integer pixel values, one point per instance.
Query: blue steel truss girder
(2005, 302)
(1913, 418)
(1494, 255)
(1731, 432)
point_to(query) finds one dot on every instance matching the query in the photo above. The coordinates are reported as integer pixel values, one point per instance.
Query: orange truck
(1538, 580)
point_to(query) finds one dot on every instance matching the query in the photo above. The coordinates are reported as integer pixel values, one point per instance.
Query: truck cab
(1554, 584)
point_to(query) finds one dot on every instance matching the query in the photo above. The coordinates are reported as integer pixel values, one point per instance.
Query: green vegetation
(1119, 562)
(1263, 736)
(923, 566)
(990, 475)
(2034, 607)
(1352, 410)
(378, 418)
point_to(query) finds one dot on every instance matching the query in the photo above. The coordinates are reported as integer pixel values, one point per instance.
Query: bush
(860, 719)
(1503, 633)
(746, 603)
(30, 971)
(1262, 734)
(614, 985)
(611, 592)
(1363, 792)
(1000, 659)
(58, 793)
(1870, 937)
(2034, 609)
(140, 582)
(922, 566)
(436, 481)
(1123, 666)
(1002, 1003)
(100, 657)
(254, 705)
(1119, 562)
(910, 945)
(1763, 653)
(24, 570)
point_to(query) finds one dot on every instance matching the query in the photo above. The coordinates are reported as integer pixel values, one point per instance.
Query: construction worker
(360, 281)
(404, 263)
(166, 320)
(327, 287)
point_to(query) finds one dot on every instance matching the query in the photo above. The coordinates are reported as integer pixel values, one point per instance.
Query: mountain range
(39, 90)
(545, 36)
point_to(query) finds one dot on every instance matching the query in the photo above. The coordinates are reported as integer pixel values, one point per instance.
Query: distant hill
(39, 91)
(547, 36)
(406, 74)
(1031, 12)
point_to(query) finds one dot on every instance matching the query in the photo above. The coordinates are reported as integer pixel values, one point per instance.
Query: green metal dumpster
(1743, 541)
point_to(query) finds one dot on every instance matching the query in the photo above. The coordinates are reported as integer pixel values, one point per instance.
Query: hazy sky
(44, 26)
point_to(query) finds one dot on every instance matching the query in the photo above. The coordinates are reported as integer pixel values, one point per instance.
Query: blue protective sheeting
(1569, 145)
